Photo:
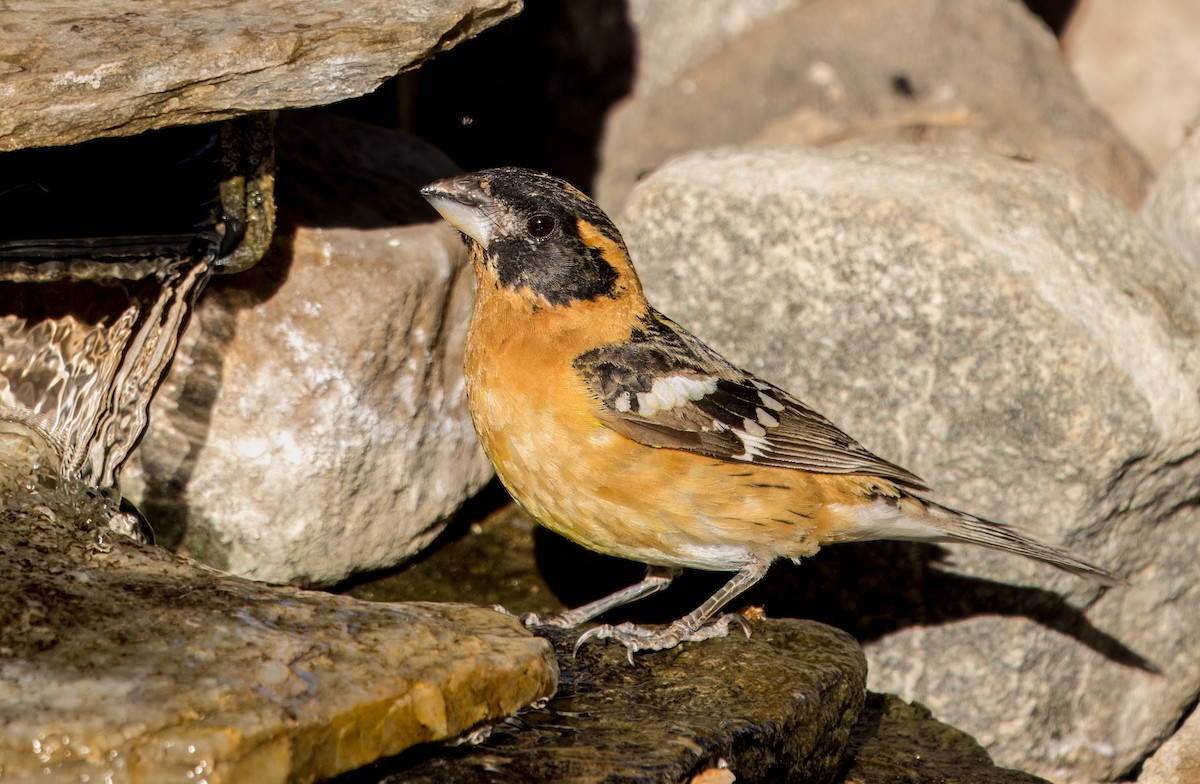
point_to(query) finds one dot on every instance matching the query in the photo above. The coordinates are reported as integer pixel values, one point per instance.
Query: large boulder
(1023, 343)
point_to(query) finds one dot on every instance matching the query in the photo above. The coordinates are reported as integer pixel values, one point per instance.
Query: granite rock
(981, 73)
(72, 70)
(314, 423)
(1023, 343)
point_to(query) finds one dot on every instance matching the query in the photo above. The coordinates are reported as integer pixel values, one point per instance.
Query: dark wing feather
(665, 388)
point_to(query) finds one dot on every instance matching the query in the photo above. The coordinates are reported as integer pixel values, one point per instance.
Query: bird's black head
(536, 235)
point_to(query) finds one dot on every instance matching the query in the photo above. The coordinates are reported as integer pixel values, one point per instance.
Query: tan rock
(1172, 207)
(314, 423)
(1140, 63)
(72, 70)
(1178, 760)
(983, 73)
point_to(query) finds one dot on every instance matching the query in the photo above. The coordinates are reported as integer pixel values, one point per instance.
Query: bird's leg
(690, 628)
(657, 578)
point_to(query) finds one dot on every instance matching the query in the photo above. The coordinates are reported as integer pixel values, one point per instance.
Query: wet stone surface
(776, 707)
(123, 663)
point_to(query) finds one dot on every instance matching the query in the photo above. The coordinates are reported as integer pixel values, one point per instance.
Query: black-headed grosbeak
(617, 428)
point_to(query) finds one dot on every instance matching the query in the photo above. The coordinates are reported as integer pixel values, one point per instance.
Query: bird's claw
(641, 638)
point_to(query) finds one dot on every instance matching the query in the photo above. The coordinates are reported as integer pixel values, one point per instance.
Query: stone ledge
(73, 70)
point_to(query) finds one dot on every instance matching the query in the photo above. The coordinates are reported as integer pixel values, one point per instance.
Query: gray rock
(776, 707)
(1141, 68)
(1172, 207)
(1023, 343)
(314, 423)
(75, 69)
(983, 73)
(123, 663)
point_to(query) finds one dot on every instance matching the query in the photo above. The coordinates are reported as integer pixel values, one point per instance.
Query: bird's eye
(540, 225)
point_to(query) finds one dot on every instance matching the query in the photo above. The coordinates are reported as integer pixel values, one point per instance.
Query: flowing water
(79, 364)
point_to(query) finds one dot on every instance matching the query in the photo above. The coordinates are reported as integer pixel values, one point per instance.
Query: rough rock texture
(982, 73)
(1172, 207)
(1178, 760)
(123, 663)
(776, 707)
(72, 70)
(315, 423)
(1023, 343)
(898, 743)
(1142, 68)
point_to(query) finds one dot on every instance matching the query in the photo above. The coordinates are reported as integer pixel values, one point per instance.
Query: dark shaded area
(777, 708)
(533, 92)
(157, 194)
(1055, 13)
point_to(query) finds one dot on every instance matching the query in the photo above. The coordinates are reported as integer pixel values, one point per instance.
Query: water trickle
(80, 362)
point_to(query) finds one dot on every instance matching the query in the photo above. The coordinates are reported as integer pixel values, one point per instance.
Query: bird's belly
(657, 506)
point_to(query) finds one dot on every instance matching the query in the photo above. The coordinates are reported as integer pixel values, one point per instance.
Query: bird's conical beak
(465, 205)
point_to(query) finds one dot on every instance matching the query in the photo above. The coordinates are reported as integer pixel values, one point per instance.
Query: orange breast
(538, 422)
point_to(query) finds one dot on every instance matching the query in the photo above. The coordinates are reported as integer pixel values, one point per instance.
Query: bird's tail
(956, 526)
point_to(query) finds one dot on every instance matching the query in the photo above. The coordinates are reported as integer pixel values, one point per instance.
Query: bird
(614, 426)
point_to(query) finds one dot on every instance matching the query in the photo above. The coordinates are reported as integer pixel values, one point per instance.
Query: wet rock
(982, 74)
(1024, 344)
(1178, 760)
(123, 663)
(74, 70)
(314, 423)
(895, 742)
(1173, 204)
(1141, 66)
(776, 707)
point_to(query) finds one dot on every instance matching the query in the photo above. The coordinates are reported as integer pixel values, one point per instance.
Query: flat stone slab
(71, 70)
(124, 663)
(776, 707)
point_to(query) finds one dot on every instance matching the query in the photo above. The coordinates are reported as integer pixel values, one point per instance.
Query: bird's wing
(666, 388)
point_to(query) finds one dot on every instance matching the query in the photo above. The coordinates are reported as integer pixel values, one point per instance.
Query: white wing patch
(671, 392)
(769, 401)
(752, 445)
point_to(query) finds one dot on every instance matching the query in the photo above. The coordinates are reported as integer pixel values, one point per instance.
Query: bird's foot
(642, 638)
